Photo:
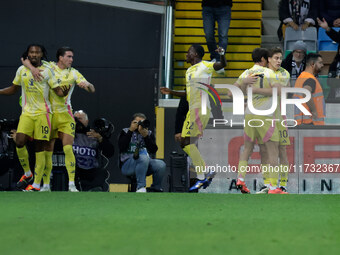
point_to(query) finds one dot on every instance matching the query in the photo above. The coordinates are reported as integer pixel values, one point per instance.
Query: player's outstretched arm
(36, 72)
(167, 91)
(87, 86)
(223, 61)
(9, 90)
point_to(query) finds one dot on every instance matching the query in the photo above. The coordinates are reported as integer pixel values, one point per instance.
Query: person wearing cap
(295, 62)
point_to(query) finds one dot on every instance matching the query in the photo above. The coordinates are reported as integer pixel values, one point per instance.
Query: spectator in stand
(334, 35)
(334, 76)
(298, 14)
(330, 11)
(295, 62)
(220, 11)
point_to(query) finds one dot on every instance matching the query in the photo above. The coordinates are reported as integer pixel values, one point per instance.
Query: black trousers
(91, 179)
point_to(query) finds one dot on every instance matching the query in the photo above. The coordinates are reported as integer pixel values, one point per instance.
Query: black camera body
(104, 127)
(80, 128)
(8, 125)
(144, 123)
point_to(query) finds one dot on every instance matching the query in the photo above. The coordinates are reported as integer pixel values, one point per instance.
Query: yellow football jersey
(201, 72)
(260, 102)
(282, 77)
(69, 77)
(35, 95)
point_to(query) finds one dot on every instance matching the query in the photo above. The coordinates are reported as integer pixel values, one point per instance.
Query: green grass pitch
(129, 223)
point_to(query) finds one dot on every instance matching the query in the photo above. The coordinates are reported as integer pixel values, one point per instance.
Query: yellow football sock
(48, 167)
(70, 162)
(23, 158)
(284, 175)
(196, 158)
(273, 176)
(39, 167)
(265, 174)
(242, 169)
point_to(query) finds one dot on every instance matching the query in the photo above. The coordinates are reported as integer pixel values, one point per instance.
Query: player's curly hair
(44, 52)
(199, 50)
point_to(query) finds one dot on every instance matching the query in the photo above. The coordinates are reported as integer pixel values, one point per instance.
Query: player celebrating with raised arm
(35, 120)
(63, 123)
(195, 122)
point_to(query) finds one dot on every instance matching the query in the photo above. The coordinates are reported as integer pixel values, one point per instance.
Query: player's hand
(178, 137)
(220, 51)
(250, 79)
(65, 89)
(133, 125)
(323, 23)
(143, 131)
(94, 134)
(305, 25)
(165, 91)
(336, 23)
(13, 135)
(86, 85)
(293, 25)
(36, 72)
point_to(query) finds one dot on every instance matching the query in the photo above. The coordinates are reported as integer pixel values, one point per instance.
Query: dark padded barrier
(118, 50)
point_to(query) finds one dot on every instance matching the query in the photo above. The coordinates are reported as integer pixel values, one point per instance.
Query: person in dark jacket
(91, 150)
(295, 62)
(135, 144)
(330, 11)
(298, 14)
(333, 80)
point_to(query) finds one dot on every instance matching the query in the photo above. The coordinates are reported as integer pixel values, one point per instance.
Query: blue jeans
(143, 167)
(223, 16)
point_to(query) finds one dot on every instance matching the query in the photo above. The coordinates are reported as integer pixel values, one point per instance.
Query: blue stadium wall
(118, 50)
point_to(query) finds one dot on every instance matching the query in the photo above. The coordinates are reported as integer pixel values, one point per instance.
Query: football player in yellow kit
(35, 119)
(63, 123)
(195, 122)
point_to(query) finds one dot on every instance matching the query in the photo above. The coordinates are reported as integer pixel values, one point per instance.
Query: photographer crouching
(135, 144)
(92, 149)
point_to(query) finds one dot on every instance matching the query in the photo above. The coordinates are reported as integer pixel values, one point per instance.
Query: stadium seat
(309, 37)
(325, 43)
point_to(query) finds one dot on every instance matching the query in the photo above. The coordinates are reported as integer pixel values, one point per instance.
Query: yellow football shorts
(63, 122)
(195, 123)
(260, 128)
(38, 127)
(282, 132)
